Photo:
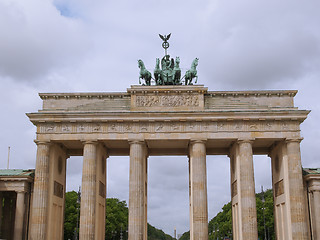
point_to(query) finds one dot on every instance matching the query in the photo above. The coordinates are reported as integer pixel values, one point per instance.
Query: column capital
(245, 140)
(84, 142)
(192, 141)
(43, 142)
(289, 140)
(20, 191)
(137, 141)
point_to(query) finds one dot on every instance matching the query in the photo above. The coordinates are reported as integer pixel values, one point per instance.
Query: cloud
(79, 45)
(256, 44)
(35, 39)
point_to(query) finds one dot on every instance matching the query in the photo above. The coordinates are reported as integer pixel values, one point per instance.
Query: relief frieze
(96, 128)
(66, 128)
(168, 126)
(159, 127)
(81, 128)
(168, 101)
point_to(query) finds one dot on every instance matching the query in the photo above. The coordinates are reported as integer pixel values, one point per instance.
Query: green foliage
(185, 236)
(221, 225)
(157, 234)
(72, 213)
(268, 214)
(116, 220)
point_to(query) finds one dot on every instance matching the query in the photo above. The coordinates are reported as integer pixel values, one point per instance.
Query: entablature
(167, 98)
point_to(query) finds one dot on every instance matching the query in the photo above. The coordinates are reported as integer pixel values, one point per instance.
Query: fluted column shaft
(40, 194)
(1, 210)
(297, 197)
(137, 214)
(314, 211)
(88, 192)
(198, 196)
(19, 216)
(247, 201)
(316, 214)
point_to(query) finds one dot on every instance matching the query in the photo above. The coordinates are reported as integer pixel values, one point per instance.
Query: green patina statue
(170, 72)
(192, 72)
(144, 73)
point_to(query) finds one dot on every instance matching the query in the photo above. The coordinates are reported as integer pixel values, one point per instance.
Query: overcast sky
(78, 46)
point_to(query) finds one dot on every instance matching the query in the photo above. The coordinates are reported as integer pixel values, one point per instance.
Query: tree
(71, 215)
(268, 214)
(157, 234)
(221, 225)
(116, 220)
(185, 236)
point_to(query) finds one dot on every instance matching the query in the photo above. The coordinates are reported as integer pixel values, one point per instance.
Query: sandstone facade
(169, 120)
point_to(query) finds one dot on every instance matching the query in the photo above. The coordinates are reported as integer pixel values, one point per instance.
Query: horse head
(195, 62)
(140, 63)
(157, 63)
(177, 61)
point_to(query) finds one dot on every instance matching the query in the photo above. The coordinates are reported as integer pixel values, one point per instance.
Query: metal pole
(8, 157)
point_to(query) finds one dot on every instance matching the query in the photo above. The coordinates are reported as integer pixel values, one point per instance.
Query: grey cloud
(36, 39)
(254, 45)
(241, 45)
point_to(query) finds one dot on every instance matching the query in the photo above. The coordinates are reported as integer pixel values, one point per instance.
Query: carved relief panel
(161, 98)
(168, 126)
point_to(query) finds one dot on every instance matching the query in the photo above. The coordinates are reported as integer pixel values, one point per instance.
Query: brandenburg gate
(162, 120)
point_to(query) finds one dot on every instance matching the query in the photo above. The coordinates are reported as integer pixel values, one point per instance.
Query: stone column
(247, 196)
(137, 191)
(198, 195)
(40, 193)
(314, 198)
(88, 192)
(7, 217)
(296, 193)
(19, 216)
(1, 207)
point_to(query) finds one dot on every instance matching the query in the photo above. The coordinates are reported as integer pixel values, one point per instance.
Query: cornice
(57, 117)
(255, 93)
(83, 95)
(167, 89)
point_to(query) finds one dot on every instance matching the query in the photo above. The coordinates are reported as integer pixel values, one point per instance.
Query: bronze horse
(144, 73)
(192, 72)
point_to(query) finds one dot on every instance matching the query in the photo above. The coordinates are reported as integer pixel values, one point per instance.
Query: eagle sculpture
(165, 37)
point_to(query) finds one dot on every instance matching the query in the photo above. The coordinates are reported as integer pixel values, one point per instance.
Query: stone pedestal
(88, 192)
(138, 191)
(41, 190)
(19, 216)
(198, 191)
